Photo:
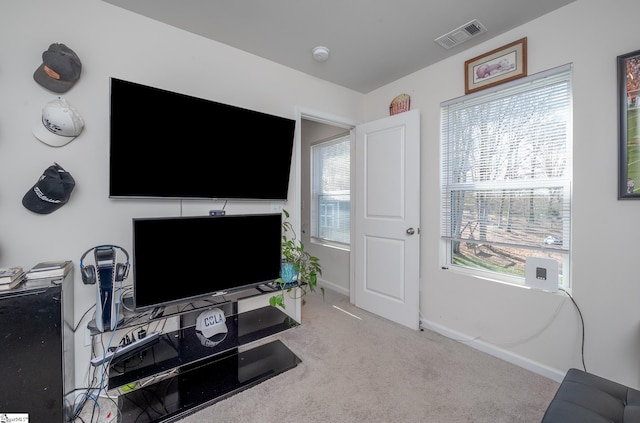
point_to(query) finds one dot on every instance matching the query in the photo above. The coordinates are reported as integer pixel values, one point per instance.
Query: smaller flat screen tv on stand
(184, 259)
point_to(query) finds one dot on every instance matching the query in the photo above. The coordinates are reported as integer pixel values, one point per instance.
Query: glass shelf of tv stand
(181, 347)
(179, 374)
(228, 302)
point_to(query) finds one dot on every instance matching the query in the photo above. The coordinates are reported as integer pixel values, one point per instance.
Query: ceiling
(371, 42)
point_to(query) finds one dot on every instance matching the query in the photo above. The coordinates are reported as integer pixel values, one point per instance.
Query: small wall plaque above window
(400, 103)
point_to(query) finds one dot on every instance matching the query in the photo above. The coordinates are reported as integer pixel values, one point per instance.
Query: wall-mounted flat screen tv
(165, 144)
(183, 259)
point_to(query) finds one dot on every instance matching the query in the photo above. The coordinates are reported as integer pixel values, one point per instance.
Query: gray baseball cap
(60, 68)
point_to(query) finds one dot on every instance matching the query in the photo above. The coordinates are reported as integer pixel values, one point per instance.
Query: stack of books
(50, 269)
(10, 277)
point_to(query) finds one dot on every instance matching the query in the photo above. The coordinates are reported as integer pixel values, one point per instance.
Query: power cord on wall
(581, 322)
(514, 343)
(82, 318)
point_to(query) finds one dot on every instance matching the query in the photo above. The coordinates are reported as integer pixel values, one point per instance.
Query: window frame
(447, 187)
(316, 209)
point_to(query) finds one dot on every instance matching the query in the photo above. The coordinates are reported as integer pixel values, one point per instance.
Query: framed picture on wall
(503, 64)
(628, 126)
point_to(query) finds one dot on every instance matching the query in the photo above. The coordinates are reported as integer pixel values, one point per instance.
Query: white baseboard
(508, 356)
(332, 286)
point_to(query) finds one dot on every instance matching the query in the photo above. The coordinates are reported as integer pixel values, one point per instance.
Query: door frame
(296, 205)
(332, 120)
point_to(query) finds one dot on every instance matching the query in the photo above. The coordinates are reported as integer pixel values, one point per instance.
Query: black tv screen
(182, 259)
(165, 144)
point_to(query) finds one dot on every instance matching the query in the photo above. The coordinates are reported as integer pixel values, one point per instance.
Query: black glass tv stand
(179, 375)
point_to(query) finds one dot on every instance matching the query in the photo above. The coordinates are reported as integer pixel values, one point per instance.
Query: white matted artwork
(498, 66)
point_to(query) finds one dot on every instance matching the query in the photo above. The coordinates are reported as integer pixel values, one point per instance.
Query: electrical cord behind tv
(93, 392)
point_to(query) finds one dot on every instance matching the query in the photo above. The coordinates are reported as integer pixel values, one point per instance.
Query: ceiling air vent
(461, 34)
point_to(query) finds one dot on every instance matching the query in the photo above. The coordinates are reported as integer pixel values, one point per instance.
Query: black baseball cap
(51, 192)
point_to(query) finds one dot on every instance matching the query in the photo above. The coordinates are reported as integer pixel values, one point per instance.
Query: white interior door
(386, 218)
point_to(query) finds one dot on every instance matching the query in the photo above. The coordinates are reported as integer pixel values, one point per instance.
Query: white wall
(540, 330)
(113, 42)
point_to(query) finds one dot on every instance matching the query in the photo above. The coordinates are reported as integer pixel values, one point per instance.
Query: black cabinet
(36, 350)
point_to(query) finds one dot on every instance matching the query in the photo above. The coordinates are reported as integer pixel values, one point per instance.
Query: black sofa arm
(586, 398)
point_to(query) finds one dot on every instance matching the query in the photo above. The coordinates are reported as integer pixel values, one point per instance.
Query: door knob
(411, 231)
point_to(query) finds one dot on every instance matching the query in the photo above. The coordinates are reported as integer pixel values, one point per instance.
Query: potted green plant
(299, 269)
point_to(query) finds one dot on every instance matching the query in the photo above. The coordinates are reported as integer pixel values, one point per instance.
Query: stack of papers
(50, 269)
(10, 277)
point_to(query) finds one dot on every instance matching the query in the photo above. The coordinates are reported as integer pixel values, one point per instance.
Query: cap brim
(36, 205)
(48, 137)
(207, 342)
(55, 85)
(210, 331)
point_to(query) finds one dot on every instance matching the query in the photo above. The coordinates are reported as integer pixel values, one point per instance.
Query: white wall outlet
(541, 273)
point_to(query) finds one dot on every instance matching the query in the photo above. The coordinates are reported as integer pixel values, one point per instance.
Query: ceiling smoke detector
(320, 53)
(461, 34)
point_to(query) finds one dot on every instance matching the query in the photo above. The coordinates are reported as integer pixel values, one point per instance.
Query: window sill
(329, 244)
(510, 281)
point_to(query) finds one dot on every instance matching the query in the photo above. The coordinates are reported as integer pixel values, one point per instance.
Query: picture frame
(628, 67)
(498, 66)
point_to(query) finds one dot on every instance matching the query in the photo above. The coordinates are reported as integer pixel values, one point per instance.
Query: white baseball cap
(60, 123)
(211, 327)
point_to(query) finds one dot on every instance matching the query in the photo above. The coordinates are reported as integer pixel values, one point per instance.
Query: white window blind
(331, 205)
(506, 170)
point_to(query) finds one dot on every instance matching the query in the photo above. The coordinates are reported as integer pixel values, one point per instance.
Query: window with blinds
(330, 191)
(506, 169)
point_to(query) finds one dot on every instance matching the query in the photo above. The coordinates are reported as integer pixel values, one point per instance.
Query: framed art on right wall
(628, 125)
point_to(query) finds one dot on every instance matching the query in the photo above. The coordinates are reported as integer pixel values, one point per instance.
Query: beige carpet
(372, 370)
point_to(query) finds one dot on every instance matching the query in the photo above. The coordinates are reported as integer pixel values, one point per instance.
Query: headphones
(104, 253)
